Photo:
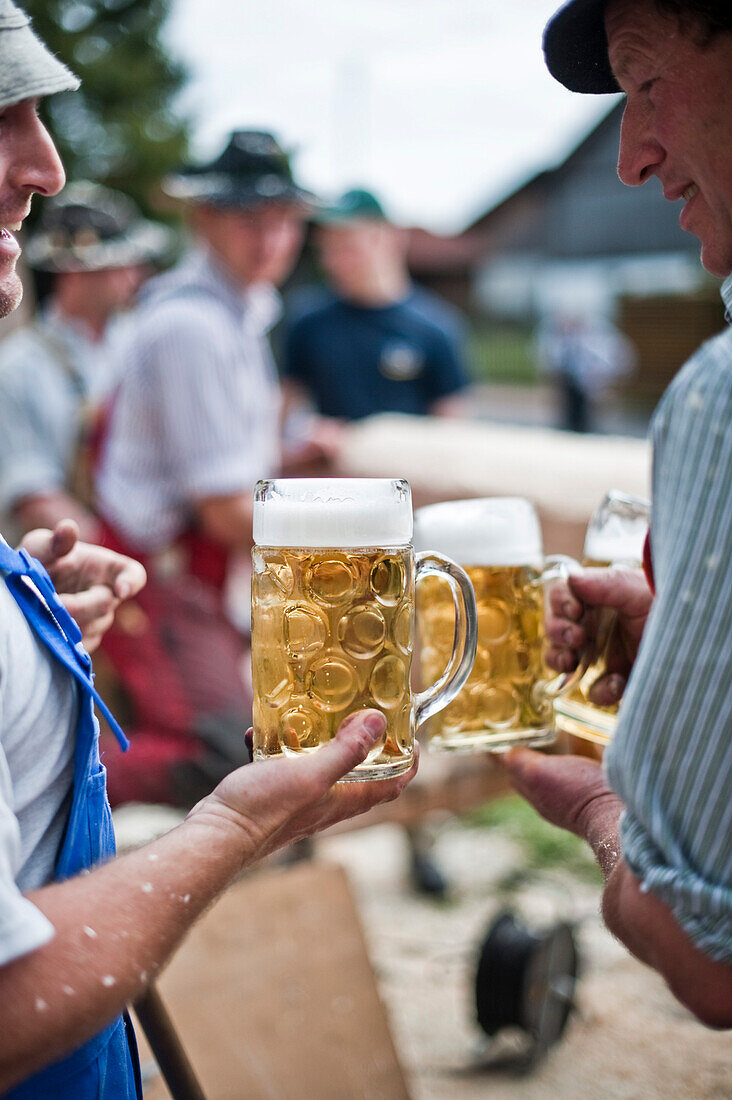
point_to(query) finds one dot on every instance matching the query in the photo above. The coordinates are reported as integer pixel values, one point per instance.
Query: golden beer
(333, 632)
(615, 537)
(502, 701)
(333, 617)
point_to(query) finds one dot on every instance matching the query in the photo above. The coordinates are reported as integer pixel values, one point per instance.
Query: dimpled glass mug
(333, 617)
(615, 536)
(507, 699)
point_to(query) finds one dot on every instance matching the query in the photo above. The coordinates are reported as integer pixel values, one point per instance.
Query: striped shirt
(671, 759)
(196, 412)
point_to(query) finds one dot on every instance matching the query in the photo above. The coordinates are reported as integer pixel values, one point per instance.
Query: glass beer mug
(615, 536)
(333, 617)
(507, 699)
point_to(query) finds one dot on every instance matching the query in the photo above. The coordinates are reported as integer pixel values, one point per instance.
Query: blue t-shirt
(355, 361)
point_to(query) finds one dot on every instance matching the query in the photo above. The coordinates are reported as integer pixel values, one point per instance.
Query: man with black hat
(373, 342)
(194, 423)
(660, 819)
(81, 933)
(92, 246)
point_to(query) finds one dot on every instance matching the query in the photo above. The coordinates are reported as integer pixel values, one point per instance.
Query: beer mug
(507, 700)
(333, 617)
(615, 536)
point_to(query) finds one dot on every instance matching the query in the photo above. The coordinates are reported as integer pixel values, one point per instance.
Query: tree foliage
(120, 127)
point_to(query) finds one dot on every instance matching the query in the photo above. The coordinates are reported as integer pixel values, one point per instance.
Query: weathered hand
(272, 803)
(91, 580)
(571, 792)
(578, 615)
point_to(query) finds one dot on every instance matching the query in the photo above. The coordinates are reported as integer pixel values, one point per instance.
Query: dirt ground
(629, 1039)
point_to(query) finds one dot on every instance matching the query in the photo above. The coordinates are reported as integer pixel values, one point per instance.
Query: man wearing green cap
(659, 819)
(373, 342)
(81, 933)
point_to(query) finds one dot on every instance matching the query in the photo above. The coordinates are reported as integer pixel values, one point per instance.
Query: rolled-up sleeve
(671, 759)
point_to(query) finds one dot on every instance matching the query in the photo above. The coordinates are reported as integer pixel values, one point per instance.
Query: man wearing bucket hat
(92, 246)
(373, 342)
(75, 947)
(660, 819)
(194, 423)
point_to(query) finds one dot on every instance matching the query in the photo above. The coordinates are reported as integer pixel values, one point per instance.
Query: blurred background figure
(586, 358)
(371, 342)
(193, 424)
(90, 254)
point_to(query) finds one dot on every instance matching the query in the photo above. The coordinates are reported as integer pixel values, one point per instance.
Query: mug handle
(559, 567)
(465, 640)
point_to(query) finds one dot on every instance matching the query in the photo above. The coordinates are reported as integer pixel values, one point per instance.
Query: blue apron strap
(51, 619)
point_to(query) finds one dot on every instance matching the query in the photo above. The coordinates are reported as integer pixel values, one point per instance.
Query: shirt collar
(726, 292)
(258, 306)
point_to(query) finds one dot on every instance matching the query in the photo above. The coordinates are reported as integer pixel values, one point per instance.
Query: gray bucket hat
(89, 228)
(27, 69)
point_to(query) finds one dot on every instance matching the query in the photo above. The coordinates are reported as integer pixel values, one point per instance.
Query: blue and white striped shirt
(671, 759)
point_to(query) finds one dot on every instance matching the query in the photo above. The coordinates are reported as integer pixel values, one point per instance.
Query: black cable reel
(526, 980)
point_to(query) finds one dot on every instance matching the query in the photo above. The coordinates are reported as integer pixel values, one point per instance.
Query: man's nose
(38, 166)
(640, 153)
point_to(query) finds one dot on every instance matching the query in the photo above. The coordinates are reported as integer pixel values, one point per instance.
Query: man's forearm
(115, 929)
(228, 519)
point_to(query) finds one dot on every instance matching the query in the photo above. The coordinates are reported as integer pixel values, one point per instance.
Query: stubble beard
(11, 293)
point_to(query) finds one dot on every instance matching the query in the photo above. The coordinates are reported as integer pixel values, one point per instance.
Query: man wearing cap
(194, 423)
(660, 818)
(81, 933)
(54, 372)
(373, 342)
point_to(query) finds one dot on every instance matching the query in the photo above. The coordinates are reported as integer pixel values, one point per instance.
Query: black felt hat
(253, 170)
(575, 47)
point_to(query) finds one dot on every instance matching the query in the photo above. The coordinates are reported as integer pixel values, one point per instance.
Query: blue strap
(53, 624)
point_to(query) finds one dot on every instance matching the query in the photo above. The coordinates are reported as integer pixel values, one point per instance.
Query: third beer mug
(615, 536)
(333, 617)
(507, 700)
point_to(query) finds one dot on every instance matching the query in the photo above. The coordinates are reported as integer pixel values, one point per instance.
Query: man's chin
(11, 294)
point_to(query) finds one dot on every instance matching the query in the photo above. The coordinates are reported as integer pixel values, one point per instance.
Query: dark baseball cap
(575, 48)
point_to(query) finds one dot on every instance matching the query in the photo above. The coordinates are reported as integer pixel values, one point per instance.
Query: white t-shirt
(38, 714)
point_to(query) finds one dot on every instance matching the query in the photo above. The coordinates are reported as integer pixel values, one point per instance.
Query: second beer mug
(333, 617)
(507, 700)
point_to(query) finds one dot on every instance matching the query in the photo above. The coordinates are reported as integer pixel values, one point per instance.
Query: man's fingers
(97, 603)
(626, 590)
(130, 579)
(356, 737)
(561, 659)
(563, 603)
(64, 538)
(607, 690)
(565, 633)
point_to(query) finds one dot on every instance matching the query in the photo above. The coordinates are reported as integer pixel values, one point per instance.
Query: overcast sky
(441, 106)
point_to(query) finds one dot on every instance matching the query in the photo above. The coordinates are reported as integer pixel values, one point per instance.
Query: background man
(194, 424)
(668, 859)
(74, 948)
(373, 342)
(54, 373)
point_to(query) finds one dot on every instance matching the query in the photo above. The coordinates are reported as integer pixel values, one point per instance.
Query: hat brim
(145, 243)
(575, 48)
(214, 189)
(27, 69)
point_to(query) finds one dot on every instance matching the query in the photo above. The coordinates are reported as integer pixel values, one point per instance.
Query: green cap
(355, 205)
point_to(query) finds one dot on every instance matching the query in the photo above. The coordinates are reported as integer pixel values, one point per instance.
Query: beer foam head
(332, 512)
(488, 531)
(620, 540)
(618, 529)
